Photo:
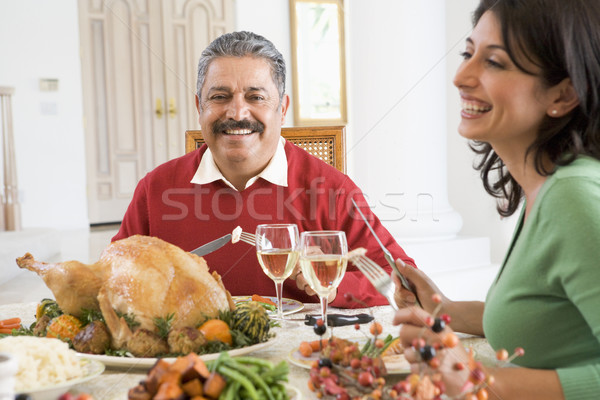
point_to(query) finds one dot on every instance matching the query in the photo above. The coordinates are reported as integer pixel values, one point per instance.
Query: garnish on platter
(344, 371)
(189, 377)
(246, 325)
(290, 306)
(264, 300)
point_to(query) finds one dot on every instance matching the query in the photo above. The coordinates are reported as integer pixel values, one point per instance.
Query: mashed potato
(42, 361)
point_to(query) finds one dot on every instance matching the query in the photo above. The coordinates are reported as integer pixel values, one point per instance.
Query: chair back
(327, 143)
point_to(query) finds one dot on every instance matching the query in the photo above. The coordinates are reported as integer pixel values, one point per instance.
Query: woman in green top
(530, 92)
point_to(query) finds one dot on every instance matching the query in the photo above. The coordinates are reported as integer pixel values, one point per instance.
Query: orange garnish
(10, 322)
(216, 329)
(260, 299)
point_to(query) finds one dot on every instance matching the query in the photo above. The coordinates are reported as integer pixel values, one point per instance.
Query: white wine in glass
(323, 262)
(277, 249)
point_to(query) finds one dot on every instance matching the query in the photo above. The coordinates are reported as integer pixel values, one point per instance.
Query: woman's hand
(422, 285)
(416, 330)
(466, 315)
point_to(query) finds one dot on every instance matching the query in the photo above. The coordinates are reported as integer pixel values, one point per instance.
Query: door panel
(139, 60)
(187, 33)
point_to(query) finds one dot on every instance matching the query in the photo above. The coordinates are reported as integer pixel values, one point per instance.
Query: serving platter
(92, 368)
(290, 306)
(143, 363)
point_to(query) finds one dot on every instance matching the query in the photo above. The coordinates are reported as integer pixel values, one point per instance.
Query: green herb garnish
(163, 324)
(129, 319)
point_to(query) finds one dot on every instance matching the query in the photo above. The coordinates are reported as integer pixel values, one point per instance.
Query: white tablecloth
(114, 383)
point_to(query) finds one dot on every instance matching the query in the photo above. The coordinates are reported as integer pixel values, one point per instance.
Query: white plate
(394, 364)
(92, 368)
(138, 362)
(290, 306)
(293, 392)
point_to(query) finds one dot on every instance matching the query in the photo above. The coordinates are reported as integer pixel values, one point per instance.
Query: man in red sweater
(247, 174)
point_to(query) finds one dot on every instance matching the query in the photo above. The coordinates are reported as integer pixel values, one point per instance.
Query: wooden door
(139, 60)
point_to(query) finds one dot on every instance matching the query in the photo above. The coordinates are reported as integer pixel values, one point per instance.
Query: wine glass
(277, 249)
(323, 262)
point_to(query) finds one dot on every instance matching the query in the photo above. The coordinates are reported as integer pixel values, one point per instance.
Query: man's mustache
(221, 126)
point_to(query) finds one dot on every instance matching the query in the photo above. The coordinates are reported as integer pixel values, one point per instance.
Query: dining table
(116, 381)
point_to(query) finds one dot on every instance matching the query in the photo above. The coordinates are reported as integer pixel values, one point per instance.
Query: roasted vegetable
(185, 378)
(215, 329)
(48, 307)
(94, 338)
(251, 319)
(64, 327)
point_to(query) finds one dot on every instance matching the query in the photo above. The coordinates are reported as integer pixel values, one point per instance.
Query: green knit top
(546, 297)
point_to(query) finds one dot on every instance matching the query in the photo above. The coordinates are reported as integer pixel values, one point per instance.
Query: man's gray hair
(242, 44)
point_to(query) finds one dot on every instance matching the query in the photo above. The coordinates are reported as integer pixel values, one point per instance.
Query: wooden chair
(327, 143)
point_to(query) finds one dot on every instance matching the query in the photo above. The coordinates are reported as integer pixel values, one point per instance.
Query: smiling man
(241, 114)
(247, 174)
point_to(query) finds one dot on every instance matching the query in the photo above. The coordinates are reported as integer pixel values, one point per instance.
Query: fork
(377, 276)
(249, 238)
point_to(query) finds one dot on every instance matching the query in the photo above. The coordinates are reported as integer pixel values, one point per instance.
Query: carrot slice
(305, 349)
(316, 344)
(10, 322)
(256, 297)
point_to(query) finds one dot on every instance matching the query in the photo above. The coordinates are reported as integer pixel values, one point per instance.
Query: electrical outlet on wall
(49, 108)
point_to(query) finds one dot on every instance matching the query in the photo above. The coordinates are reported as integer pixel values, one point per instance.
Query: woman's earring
(554, 112)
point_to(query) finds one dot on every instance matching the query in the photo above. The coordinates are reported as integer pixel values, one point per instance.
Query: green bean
(236, 376)
(279, 391)
(231, 391)
(278, 373)
(254, 377)
(255, 361)
(250, 377)
(214, 364)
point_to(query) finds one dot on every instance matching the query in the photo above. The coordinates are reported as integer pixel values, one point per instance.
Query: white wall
(50, 148)
(465, 190)
(40, 39)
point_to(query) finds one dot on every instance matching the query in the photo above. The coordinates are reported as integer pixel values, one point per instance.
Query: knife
(387, 254)
(332, 319)
(212, 246)
(339, 319)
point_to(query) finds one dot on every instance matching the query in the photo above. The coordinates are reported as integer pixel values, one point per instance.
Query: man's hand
(302, 284)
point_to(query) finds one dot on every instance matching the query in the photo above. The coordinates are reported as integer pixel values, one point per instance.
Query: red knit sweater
(166, 205)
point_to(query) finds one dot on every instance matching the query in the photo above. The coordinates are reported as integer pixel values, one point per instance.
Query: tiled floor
(80, 245)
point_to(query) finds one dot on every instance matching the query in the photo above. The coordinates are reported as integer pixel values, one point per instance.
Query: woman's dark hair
(562, 38)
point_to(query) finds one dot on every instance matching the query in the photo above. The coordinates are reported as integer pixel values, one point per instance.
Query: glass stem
(279, 293)
(324, 309)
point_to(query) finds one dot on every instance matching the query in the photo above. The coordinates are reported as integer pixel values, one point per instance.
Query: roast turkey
(140, 276)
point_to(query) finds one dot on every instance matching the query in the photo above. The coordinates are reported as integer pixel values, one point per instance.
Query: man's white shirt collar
(275, 171)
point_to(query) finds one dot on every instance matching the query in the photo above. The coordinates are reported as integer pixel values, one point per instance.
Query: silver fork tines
(377, 276)
(249, 238)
